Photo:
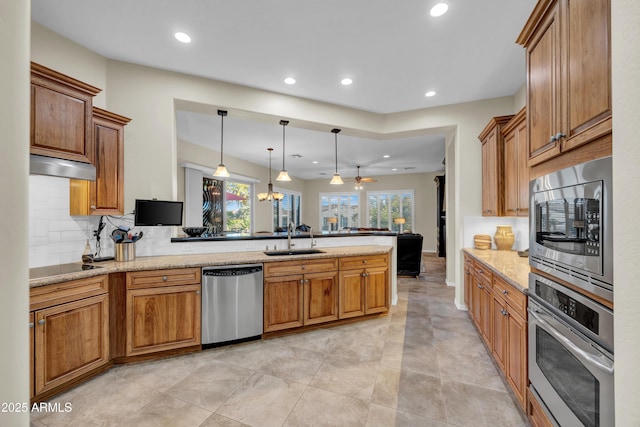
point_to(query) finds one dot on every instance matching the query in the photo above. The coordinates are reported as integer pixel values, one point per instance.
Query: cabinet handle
(164, 278)
(41, 322)
(506, 292)
(364, 261)
(552, 139)
(302, 267)
(31, 325)
(559, 135)
(504, 312)
(93, 208)
(197, 292)
(480, 287)
(302, 281)
(306, 281)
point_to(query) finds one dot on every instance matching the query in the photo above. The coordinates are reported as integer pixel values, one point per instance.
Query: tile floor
(423, 365)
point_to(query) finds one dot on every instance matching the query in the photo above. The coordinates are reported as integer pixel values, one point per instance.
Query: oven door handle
(593, 358)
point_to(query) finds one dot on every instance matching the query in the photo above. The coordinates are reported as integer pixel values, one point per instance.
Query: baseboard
(462, 307)
(451, 283)
(429, 252)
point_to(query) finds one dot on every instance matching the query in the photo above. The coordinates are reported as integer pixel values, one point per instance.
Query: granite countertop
(51, 275)
(507, 264)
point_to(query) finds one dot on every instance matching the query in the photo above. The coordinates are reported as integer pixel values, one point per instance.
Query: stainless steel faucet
(313, 243)
(289, 233)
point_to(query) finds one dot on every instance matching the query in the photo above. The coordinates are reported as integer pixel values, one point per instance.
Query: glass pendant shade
(336, 180)
(221, 170)
(283, 176)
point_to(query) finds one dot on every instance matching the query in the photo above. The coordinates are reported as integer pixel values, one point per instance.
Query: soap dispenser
(87, 256)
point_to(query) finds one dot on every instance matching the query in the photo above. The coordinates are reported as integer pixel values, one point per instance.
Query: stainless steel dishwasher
(232, 305)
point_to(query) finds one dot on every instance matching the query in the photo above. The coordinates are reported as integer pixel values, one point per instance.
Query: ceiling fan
(359, 180)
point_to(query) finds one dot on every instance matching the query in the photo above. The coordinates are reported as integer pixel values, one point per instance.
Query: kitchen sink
(293, 252)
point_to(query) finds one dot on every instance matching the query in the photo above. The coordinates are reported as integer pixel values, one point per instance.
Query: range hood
(42, 165)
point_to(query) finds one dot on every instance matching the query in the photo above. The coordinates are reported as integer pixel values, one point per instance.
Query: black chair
(409, 254)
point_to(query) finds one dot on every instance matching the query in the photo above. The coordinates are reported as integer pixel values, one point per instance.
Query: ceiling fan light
(221, 171)
(283, 176)
(336, 180)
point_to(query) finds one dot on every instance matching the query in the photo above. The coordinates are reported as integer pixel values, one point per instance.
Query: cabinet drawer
(160, 278)
(60, 293)
(355, 262)
(482, 274)
(516, 299)
(288, 268)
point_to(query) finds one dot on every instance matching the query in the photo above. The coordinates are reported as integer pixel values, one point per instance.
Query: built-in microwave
(571, 226)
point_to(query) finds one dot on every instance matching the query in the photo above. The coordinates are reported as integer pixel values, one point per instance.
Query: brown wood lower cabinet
(364, 290)
(300, 299)
(162, 315)
(69, 333)
(537, 416)
(70, 340)
(499, 312)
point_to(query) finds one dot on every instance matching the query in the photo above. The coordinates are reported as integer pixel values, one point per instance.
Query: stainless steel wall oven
(571, 226)
(570, 355)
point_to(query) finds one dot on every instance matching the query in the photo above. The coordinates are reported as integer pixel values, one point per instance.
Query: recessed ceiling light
(430, 93)
(439, 9)
(394, 169)
(315, 162)
(346, 82)
(290, 81)
(182, 37)
(386, 156)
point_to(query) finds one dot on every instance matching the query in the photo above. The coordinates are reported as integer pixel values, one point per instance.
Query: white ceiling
(393, 50)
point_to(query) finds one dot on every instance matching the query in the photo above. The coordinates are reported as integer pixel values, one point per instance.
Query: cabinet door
(476, 292)
(162, 318)
(351, 302)
(490, 174)
(486, 300)
(511, 174)
(320, 297)
(70, 340)
(522, 192)
(61, 116)
(105, 195)
(283, 302)
(500, 332)
(31, 354)
(516, 371)
(587, 36)
(543, 98)
(376, 290)
(468, 282)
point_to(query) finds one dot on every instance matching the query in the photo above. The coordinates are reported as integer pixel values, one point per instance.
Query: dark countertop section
(282, 235)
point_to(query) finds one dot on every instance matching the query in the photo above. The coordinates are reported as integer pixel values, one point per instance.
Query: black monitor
(157, 212)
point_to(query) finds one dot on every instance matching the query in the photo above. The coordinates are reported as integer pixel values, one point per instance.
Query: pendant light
(221, 171)
(283, 176)
(336, 180)
(270, 195)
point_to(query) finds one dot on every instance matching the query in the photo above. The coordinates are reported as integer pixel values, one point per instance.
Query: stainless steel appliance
(571, 226)
(232, 304)
(570, 355)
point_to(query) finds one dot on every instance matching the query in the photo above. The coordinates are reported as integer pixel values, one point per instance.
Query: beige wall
(626, 204)
(424, 205)
(14, 171)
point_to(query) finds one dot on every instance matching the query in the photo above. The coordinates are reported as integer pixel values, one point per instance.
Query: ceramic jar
(504, 238)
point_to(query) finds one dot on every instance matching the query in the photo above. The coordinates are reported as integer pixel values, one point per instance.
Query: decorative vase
(504, 237)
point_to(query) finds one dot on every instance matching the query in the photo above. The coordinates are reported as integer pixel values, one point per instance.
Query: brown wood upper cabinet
(61, 116)
(568, 50)
(516, 169)
(105, 195)
(493, 166)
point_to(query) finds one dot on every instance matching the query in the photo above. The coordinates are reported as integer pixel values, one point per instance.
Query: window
(287, 210)
(344, 207)
(384, 206)
(237, 202)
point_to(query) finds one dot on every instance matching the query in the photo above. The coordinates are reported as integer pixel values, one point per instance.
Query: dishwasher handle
(231, 271)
